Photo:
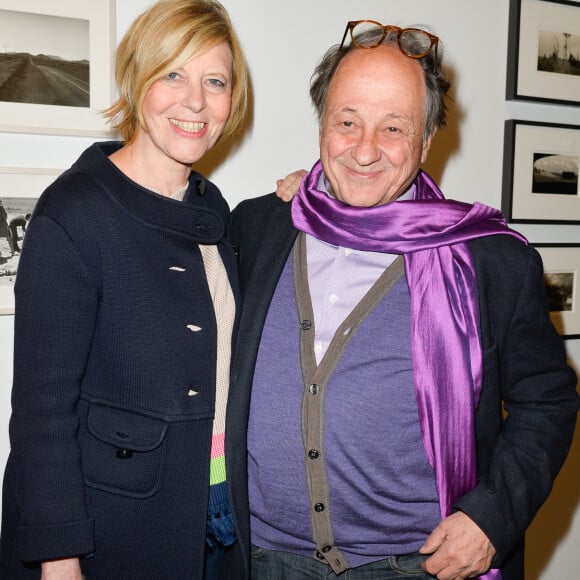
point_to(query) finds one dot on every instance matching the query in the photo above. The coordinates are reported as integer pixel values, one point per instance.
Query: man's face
(371, 134)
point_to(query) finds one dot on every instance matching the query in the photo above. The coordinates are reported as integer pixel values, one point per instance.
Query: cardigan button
(319, 507)
(313, 454)
(124, 453)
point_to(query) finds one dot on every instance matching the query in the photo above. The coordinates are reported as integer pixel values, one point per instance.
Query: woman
(125, 307)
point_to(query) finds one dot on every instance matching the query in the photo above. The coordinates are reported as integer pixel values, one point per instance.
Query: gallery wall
(283, 42)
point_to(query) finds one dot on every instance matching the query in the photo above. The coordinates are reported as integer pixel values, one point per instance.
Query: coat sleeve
(56, 309)
(521, 450)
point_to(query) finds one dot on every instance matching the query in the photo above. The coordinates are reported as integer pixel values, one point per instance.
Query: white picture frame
(19, 191)
(59, 51)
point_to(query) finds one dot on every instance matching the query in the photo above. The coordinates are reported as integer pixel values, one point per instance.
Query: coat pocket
(123, 452)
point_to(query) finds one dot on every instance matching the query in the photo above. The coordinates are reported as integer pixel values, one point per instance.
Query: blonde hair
(164, 38)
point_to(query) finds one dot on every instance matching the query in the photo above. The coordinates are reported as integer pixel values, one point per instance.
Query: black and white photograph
(56, 72)
(559, 52)
(555, 174)
(19, 191)
(540, 172)
(561, 265)
(14, 216)
(560, 290)
(44, 59)
(543, 57)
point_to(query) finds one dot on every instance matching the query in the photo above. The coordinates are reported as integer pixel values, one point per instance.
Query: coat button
(124, 453)
(319, 507)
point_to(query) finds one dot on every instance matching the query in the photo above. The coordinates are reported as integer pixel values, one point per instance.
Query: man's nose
(366, 150)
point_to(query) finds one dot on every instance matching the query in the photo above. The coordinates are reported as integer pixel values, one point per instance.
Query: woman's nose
(194, 97)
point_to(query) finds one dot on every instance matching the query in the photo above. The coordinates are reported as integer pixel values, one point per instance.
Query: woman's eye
(172, 76)
(216, 85)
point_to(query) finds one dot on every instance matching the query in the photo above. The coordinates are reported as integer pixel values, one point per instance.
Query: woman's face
(185, 112)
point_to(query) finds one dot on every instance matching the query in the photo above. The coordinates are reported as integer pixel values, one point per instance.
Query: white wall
(283, 42)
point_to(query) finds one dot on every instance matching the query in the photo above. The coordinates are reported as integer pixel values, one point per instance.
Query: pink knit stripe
(217, 445)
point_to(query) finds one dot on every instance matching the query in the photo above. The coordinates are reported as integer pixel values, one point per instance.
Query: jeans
(271, 565)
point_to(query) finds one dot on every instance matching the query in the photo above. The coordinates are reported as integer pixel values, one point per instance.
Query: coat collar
(201, 216)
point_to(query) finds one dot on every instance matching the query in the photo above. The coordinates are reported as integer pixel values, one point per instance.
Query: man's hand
(287, 187)
(69, 569)
(458, 548)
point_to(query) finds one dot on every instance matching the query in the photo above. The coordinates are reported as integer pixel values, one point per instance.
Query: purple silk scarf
(431, 233)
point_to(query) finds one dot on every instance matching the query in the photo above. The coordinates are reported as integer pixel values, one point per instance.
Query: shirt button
(347, 251)
(313, 454)
(332, 298)
(319, 507)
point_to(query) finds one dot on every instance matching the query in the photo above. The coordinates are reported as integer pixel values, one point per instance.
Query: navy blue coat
(114, 378)
(524, 366)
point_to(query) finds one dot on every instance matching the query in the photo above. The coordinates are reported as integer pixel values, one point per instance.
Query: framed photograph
(19, 190)
(543, 61)
(561, 265)
(56, 72)
(540, 173)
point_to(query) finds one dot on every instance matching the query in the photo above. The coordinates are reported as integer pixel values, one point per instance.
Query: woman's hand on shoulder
(67, 569)
(287, 187)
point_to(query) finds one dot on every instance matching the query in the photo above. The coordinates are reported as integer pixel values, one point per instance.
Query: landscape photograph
(44, 59)
(555, 174)
(559, 52)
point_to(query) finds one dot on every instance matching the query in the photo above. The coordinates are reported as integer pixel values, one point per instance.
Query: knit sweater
(220, 524)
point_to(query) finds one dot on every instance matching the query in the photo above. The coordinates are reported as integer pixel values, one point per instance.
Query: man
(382, 330)
(20, 221)
(4, 229)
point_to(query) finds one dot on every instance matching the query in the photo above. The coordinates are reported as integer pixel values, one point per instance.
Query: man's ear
(427, 145)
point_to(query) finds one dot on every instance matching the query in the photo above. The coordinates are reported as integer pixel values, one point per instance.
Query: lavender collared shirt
(338, 278)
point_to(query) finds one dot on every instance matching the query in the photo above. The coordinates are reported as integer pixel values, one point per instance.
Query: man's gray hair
(435, 80)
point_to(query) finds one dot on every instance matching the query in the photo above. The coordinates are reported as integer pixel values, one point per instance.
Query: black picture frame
(562, 279)
(543, 60)
(540, 173)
